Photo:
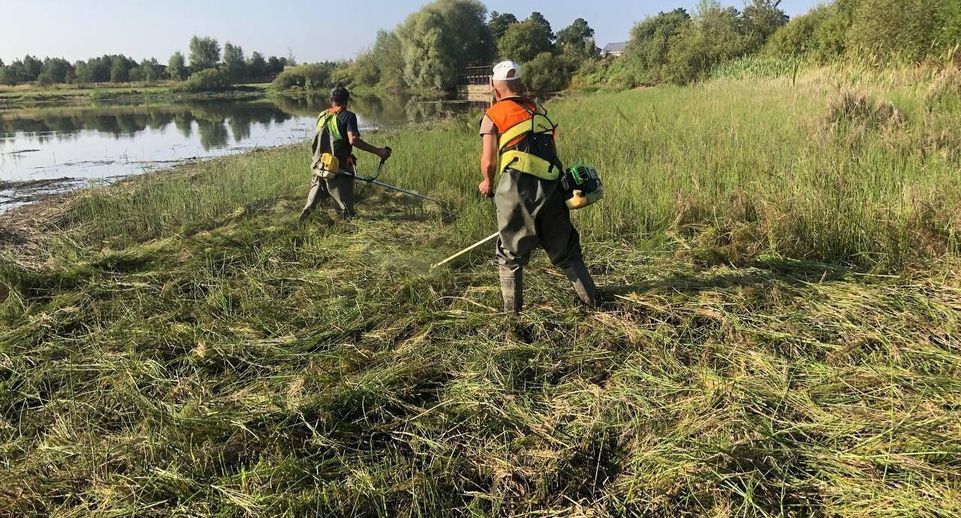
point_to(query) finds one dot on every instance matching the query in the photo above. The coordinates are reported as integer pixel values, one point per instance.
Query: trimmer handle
(380, 166)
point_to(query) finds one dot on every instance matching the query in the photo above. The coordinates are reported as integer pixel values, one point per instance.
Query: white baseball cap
(507, 71)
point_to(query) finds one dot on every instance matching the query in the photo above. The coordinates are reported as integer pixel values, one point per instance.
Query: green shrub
(548, 73)
(895, 29)
(951, 29)
(210, 80)
(715, 36)
(611, 73)
(306, 77)
(832, 33)
(799, 36)
(650, 42)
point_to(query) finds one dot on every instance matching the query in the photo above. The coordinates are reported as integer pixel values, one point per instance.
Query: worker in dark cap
(333, 162)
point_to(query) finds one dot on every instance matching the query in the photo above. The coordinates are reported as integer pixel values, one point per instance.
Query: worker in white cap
(519, 145)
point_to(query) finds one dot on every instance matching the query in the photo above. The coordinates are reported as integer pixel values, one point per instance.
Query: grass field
(780, 337)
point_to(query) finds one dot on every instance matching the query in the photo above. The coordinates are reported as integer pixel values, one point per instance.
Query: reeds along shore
(780, 338)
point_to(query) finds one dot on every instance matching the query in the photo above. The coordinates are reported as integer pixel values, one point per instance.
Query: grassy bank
(781, 335)
(26, 96)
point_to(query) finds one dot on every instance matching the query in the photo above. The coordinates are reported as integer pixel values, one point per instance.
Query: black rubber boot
(512, 289)
(583, 284)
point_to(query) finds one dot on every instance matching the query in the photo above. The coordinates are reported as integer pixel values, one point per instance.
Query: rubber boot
(583, 283)
(512, 289)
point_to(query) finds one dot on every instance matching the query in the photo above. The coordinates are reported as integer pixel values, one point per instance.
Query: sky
(312, 30)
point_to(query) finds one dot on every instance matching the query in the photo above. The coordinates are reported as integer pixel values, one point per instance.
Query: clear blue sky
(311, 29)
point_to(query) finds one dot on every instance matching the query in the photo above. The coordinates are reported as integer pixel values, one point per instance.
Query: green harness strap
(328, 120)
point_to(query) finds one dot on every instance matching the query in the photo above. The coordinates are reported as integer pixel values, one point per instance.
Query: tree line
(682, 47)
(434, 45)
(205, 54)
(431, 49)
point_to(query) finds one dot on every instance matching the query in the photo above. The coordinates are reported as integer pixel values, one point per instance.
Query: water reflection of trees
(383, 109)
(214, 122)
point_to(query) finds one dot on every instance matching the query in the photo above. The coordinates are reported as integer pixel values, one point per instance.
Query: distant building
(615, 49)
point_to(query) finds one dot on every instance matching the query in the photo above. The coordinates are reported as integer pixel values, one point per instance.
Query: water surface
(53, 149)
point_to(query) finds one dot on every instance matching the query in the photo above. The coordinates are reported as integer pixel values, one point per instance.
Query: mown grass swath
(781, 338)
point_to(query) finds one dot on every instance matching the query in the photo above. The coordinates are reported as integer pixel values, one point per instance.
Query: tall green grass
(182, 345)
(776, 165)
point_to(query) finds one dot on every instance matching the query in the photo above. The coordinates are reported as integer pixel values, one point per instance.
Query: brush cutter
(581, 184)
(373, 180)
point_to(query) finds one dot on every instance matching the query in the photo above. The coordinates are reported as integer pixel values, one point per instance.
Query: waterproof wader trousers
(340, 188)
(531, 212)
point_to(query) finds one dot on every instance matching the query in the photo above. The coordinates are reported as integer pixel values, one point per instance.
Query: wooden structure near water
(475, 84)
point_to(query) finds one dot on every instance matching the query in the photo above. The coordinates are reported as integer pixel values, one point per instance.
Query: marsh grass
(780, 336)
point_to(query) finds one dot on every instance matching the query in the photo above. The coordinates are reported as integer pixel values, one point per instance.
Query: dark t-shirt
(347, 122)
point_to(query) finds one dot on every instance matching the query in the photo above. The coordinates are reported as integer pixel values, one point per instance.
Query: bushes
(884, 30)
(210, 80)
(548, 73)
(715, 36)
(895, 29)
(799, 36)
(651, 40)
(306, 77)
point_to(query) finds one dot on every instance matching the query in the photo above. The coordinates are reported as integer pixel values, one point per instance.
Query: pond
(48, 150)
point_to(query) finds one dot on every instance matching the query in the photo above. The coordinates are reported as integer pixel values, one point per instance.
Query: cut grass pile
(781, 335)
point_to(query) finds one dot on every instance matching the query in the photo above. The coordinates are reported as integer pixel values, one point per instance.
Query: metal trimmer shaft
(467, 250)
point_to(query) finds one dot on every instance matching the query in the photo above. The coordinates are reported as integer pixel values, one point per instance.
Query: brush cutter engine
(583, 186)
(326, 166)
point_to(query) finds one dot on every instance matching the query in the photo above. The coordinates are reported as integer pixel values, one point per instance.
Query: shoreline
(17, 98)
(22, 225)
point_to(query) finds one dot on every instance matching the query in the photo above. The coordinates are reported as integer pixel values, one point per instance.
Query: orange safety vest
(526, 138)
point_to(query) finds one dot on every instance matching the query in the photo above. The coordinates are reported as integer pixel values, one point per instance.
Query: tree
(3, 73)
(577, 40)
(31, 68)
(234, 62)
(651, 40)
(539, 19)
(525, 41)
(832, 34)
(761, 19)
(276, 65)
(257, 67)
(499, 23)
(382, 65)
(177, 67)
(119, 73)
(388, 56)
(715, 36)
(150, 70)
(798, 37)
(443, 38)
(54, 71)
(204, 53)
(94, 70)
(550, 73)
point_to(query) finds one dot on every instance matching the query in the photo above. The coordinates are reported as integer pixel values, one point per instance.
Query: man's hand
(384, 153)
(486, 188)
